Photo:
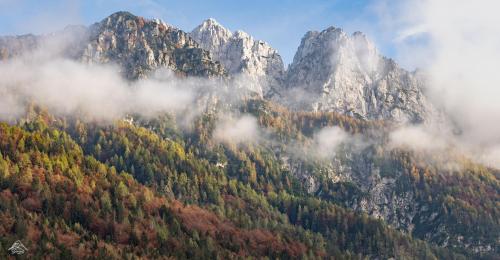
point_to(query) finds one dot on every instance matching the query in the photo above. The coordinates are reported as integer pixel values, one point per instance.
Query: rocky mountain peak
(242, 55)
(212, 36)
(345, 73)
(242, 35)
(212, 23)
(141, 45)
(331, 70)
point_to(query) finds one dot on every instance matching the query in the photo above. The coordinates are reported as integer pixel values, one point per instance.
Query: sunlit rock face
(258, 64)
(331, 70)
(141, 46)
(334, 71)
(138, 46)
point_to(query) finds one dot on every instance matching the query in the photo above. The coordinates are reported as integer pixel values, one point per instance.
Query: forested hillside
(150, 189)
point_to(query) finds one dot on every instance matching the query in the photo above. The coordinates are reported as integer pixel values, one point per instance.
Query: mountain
(258, 63)
(331, 71)
(334, 71)
(72, 189)
(250, 178)
(139, 46)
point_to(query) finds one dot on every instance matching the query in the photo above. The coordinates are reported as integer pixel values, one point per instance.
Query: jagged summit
(138, 45)
(123, 14)
(142, 45)
(331, 70)
(211, 22)
(242, 55)
(345, 73)
(211, 36)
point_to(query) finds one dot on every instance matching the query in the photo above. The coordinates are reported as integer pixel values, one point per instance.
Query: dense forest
(151, 188)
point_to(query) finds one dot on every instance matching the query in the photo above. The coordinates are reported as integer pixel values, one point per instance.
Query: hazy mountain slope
(68, 42)
(76, 192)
(11, 46)
(431, 195)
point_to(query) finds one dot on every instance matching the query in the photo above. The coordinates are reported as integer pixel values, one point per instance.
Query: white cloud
(417, 138)
(237, 130)
(98, 91)
(457, 44)
(328, 140)
(410, 32)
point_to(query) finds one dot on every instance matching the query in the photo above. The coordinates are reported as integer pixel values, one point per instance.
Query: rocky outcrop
(136, 44)
(141, 45)
(371, 192)
(333, 71)
(258, 64)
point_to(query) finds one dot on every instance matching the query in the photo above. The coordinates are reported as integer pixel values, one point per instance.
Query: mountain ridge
(331, 71)
(351, 78)
(347, 74)
(241, 54)
(138, 45)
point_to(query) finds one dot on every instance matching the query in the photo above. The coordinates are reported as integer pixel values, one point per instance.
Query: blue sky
(281, 23)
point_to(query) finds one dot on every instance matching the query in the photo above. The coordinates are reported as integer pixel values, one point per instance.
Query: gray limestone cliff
(334, 71)
(256, 62)
(141, 45)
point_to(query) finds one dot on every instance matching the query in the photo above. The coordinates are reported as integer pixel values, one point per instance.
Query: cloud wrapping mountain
(237, 129)
(457, 45)
(67, 87)
(332, 71)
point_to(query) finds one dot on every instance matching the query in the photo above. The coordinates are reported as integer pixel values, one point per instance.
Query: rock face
(372, 192)
(259, 65)
(381, 194)
(141, 46)
(333, 71)
(138, 45)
